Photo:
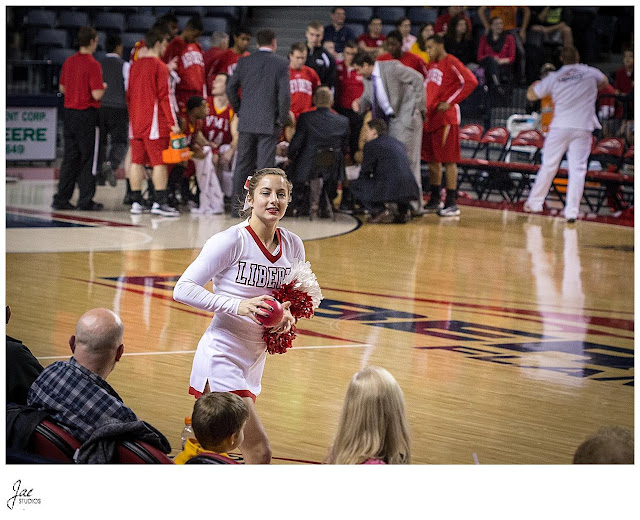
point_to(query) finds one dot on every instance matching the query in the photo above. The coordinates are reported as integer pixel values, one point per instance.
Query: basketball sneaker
(138, 209)
(433, 206)
(165, 210)
(449, 211)
(527, 208)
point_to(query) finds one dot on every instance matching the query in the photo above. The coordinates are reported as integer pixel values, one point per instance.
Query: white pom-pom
(305, 281)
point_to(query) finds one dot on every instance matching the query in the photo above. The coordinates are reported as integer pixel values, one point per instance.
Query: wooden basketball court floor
(511, 335)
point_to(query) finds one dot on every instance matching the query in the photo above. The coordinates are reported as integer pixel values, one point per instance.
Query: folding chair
(471, 134)
(531, 142)
(610, 153)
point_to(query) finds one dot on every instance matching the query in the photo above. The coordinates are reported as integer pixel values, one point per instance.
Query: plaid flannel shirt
(77, 398)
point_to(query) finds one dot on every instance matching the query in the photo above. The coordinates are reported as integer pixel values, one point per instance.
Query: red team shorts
(441, 145)
(148, 151)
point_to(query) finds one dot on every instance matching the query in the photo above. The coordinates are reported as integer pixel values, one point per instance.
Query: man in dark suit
(317, 151)
(263, 110)
(385, 177)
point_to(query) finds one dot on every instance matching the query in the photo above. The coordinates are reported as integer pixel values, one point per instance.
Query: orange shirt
(546, 113)
(508, 15)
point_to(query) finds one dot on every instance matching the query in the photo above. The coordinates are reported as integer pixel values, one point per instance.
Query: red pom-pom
(279, 344)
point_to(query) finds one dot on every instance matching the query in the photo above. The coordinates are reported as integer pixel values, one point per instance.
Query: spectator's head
(157, 39)
(97, 344)
(363, 63)
(404, 26)
(218, 421)
(455, 9)
(349, 52)
(373, 423)
(393, 44)
(496, 25)
(323, 97)
(375, 26)
(171, 20)
(375, 128)
(609, 445)
(267, 38)
(627, 60)
(220, 40)
(193, 30)
(265, 187)
(435, 47)
(114, 44)
(314, 34)
(88, 39)
(197, 108)
(545, 69)
(457, 29)
(569, 55)
(297, 55)
(338, 16)
(219, 84)
(426, 31)
(242, 40)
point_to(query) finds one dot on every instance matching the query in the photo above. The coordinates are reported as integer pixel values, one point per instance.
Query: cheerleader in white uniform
(246, 262)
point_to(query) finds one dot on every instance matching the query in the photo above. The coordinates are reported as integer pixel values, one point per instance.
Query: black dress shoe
(93, 206)
(62, 205)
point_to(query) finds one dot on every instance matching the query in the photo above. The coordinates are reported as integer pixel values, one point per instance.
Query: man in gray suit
(262, 111)
(395, 93)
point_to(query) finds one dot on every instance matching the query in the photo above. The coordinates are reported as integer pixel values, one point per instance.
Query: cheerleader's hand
(287, 321)
(254, 306)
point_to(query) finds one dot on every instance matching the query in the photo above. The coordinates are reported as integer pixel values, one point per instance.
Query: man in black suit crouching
(317, 152)
(386, 180)
(263, 81)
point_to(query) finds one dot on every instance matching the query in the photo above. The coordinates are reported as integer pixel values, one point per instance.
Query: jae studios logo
(22, 496)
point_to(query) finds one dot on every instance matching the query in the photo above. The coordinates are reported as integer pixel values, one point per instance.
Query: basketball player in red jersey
(303, 80)
(151, 120)
(221, 128)
(393, 45)
(448, 83)
(190, 62)
(228, 60)
(221, 125)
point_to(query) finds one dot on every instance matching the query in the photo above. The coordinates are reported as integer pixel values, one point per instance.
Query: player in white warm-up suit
(246, 262)
(574, 89)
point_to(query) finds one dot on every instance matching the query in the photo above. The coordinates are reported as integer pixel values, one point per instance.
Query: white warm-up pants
(577, 144)
(211, 196)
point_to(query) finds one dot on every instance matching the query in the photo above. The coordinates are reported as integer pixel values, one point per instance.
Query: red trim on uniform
(273, 259)
(241, 393)
(244, 393)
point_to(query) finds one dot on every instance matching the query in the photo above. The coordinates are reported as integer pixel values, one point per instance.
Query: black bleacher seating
(182, 21)
(419, 15)
(129, 39)
(205, 42)
(390, 14)
(189, 10)
(52, 38)
(102, 40)
(229, 12)
(141, 22)
(212, 24)
(58, 56)
(126, 9)
(41, 18)
(358, 14)
(110, 22)
(159, 10)
(72, 20)
(357, 28)
(100, 55)
(387, 28)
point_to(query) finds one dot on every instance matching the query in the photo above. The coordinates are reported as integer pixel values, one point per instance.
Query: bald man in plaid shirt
(75, 392)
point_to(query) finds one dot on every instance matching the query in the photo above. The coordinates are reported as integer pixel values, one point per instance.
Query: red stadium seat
(471, 133)
(139, 452)
(610, 146)
(53, 442)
